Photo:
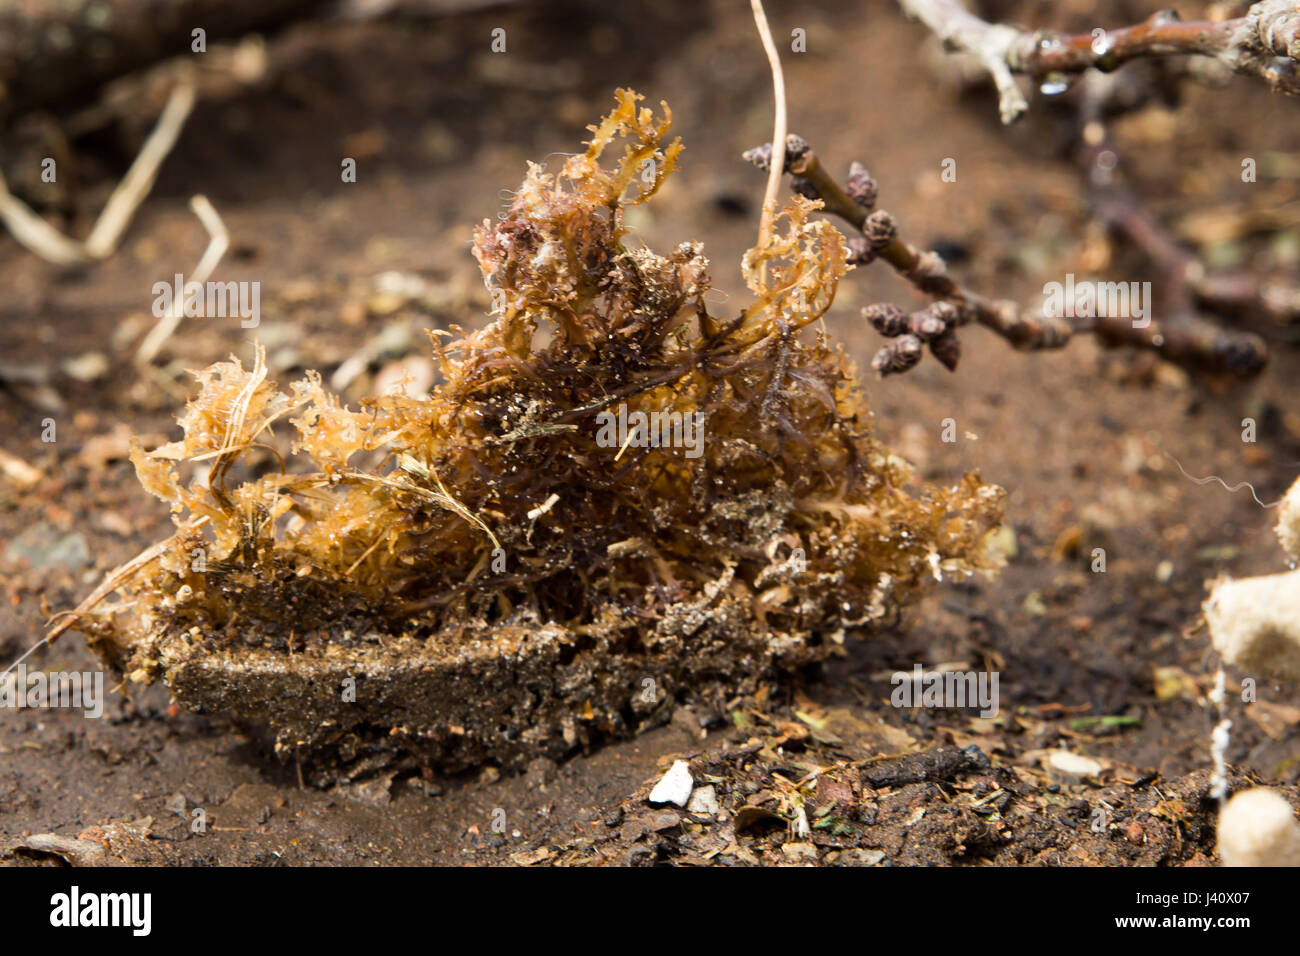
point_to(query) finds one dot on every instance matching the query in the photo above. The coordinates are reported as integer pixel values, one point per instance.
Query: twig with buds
(1196, 344)
(924, 269)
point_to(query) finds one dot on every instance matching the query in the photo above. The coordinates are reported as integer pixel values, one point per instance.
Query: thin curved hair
(1232, 489)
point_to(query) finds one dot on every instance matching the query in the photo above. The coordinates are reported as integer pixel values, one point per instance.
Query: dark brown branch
(1184, 339)
(1183, 336)
(924, 269)
(1265, 43)
(1226, 291)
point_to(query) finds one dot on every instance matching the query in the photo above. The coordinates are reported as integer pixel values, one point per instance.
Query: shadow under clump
(613, 501)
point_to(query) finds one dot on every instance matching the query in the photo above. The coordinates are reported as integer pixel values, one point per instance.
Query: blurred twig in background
(1264, 43)
(44, 240)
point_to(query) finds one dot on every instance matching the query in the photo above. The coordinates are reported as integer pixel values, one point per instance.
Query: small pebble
(675, 786)
(1074, 764)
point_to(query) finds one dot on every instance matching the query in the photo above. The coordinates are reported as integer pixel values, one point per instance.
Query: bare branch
(1265, 43)
(991, 44)
(924, 269)
(1185, 338)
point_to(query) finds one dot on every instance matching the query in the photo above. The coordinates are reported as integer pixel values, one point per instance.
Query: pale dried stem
(778, 126)
(218, 243)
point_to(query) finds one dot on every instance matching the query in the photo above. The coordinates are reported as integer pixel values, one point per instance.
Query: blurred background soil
(353, 273)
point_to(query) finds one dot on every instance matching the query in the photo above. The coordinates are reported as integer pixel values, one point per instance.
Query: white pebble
(675, 786)
(1074, 764)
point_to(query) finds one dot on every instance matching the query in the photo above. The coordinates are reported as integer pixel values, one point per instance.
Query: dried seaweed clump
(605, 455)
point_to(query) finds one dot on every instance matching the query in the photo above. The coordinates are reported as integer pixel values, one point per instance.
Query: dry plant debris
(807, 786)
(488, 576)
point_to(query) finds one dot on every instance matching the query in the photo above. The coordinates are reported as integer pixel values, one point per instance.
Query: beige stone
(1255, 623)
(1258, 828)
(1288, 522)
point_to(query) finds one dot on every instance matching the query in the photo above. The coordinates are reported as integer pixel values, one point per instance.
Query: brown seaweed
(509, 500)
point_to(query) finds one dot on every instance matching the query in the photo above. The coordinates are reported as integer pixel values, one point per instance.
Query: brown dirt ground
(1076, 438)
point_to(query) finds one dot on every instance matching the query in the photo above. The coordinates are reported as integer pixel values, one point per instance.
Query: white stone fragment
(1073, 764)
(1257, 828)
(1255, 623)
(675, 786)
